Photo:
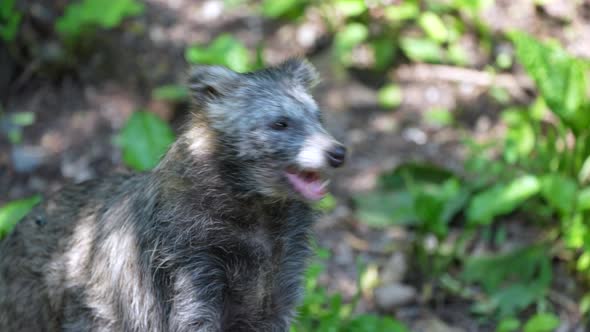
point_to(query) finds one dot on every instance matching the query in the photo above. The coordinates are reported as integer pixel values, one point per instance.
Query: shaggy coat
(213, 239)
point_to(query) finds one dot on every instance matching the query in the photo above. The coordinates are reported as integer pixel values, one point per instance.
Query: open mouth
(308, 183)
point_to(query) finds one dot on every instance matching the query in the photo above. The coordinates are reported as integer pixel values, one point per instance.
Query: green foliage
(420, 195)
(390, 96)
(512, 281)
(13, 212)
(542, 322)
(13, 124)
(89, 14)
(10, 19)
(144, 140)
(326, 204)
(562, 79)
(171, 92)
(225, 50)
(502, 198)
(322, 312)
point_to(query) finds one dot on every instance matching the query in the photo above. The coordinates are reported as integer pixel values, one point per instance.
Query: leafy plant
(323, 312)
(512, 281)
(13, 212)
(88, 14)
(144, 140)
(12, 124)
(10, 19)
(225, 50)
(171, 92)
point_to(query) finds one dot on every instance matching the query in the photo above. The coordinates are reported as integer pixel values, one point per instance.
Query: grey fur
(212, 240)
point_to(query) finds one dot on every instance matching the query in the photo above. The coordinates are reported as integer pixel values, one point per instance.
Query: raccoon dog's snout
(336, 155)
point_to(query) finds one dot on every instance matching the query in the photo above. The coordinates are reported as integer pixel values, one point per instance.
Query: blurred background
(464, 205)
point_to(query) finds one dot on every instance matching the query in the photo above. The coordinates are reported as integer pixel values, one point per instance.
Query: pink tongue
(311, 190)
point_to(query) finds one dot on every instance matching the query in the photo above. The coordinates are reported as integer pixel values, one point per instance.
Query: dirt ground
(78, 115)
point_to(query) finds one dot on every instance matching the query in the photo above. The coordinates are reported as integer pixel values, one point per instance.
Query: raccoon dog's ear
(302, 71)
(210, 82)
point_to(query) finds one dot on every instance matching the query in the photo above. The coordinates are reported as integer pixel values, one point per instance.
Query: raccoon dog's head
(269, 137)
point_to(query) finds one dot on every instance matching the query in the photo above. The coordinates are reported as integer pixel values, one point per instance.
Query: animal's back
(37, 256)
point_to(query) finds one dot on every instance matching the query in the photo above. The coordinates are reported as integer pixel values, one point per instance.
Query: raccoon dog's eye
(280, 124)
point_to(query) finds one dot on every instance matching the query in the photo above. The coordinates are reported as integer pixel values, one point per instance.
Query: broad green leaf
(347, 39)
(560, 78)
(419, 49)
(584, 174)
(501, 199)
(327, 204)
(373, 323)
(369, 278)
(350, 7)
(384, 50)
(509, 324)
(22, 118)
(513, 280)
(88, 13)
(542, 322)
(390, 96)
(350, 36)
(406, 10)
(225, 50)
(144, 140)
(13, 212)
(520, 136)
(457, 55)
(9, 20)
(382, 209)
(583, 199)
(289, 8)
(560, 192)
(171, 92)
(433, 26)
(438, 117)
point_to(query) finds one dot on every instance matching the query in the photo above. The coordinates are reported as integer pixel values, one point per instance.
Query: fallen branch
(516, 86)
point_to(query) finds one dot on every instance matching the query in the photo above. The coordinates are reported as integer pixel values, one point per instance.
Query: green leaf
(351, 35)
(433, 26)
(22, 118)
(560, 78)
(350, 7)
(327, 204)
(88, 13)
(583, 199)
(382, 209)
(384, 50)
(509, 324)
(171, 92)
(13, 212)
(584, 174)
(144, 140)
(438, 117)
(283, 8)
(390, 96)
(418, 49)
(542, 322)
(560, 192)
(501, 199)
(9, 20)
(520, 136)
(457, 55)
(513, 280)
(406, 10)
(225, 50)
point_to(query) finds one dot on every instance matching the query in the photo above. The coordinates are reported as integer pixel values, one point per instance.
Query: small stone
(395, 269)
(27, 158)
(390, 296)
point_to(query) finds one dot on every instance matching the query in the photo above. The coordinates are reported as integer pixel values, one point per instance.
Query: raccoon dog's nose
(336, 156)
